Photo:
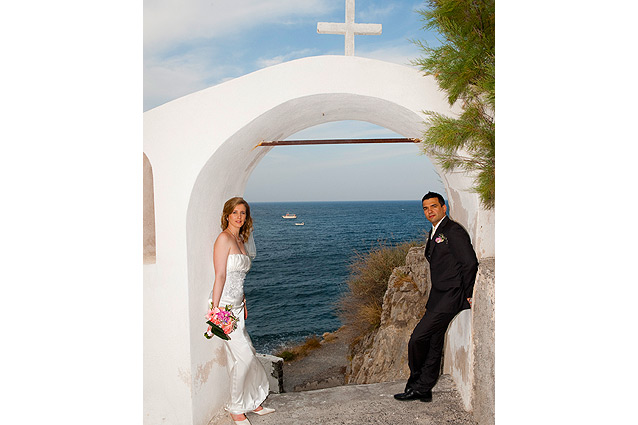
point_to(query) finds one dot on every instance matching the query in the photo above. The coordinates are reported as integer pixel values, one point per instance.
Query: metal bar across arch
(334, 142)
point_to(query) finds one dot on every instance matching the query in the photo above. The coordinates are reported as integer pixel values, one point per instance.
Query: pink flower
(223, 319)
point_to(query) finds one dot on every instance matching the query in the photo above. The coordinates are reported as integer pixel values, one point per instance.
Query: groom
(453, 267)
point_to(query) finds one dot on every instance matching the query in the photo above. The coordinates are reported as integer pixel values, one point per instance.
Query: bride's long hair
(229, 207)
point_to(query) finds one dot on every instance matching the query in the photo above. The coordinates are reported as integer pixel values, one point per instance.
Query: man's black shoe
(427, 396)
(411, 394)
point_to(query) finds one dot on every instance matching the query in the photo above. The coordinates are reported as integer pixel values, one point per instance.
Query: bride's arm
(220, 257)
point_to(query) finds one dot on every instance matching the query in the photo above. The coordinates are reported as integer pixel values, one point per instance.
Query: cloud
(373, 13)
(171, 23)
(166, 79)
(189, 47)
(347, 172)
(396, 51)
(318, 159)
(265, 62)
(194, 45)
(162, 84)
(366, 154)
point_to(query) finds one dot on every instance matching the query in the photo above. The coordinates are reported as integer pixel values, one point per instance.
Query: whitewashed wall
(201, 151)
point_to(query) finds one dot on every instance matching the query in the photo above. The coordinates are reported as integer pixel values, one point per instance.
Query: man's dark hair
(430, 195)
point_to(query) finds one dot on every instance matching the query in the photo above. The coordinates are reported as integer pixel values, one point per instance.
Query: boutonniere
(440, 238)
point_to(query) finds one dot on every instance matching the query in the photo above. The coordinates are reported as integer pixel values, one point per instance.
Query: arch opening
(313, 182)
(343, 172)
(215, 183)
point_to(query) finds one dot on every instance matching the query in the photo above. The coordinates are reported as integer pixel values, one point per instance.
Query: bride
(249, 383)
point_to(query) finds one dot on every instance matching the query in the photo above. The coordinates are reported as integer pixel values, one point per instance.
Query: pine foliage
(463, 65)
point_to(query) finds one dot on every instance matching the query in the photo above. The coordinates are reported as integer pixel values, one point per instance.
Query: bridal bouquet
(220, 322)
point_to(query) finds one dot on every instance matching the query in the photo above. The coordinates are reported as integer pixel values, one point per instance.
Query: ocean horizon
(300, 270)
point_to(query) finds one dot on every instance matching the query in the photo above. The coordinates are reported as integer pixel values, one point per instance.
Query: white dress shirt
(435, 227)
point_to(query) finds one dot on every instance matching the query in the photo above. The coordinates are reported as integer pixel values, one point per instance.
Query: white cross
(349, 28)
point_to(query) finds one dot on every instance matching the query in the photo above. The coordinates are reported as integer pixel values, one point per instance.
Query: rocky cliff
(382, 355)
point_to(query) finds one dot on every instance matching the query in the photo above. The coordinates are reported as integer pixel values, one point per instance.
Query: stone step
(274, 367)
(362, 404)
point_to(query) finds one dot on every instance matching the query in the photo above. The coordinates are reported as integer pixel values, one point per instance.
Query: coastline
(382, 293)
(322, 367)
(306, 267)
(315, 392)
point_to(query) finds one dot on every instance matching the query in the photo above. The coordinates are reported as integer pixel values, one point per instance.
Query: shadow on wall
(149, 214)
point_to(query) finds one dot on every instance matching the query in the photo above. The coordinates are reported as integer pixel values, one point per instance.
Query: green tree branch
(464, 66)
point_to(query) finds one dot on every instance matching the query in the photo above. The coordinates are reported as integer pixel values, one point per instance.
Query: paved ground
(324, 367)
(316, 394)
(363, 404)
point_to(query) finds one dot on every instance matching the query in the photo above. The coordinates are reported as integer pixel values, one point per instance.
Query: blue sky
(187, 49)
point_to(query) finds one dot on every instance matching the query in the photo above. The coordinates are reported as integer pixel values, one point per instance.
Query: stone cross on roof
(348, 28)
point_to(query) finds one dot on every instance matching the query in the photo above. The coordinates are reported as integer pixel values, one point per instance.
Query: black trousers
(425, 349)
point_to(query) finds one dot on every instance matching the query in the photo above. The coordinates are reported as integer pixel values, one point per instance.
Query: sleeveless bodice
(237, 266)
(248, 380)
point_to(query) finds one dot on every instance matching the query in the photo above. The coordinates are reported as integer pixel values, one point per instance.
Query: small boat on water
(288, 215)
(299, 224)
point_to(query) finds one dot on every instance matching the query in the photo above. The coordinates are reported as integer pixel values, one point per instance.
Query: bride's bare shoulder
(224, 239)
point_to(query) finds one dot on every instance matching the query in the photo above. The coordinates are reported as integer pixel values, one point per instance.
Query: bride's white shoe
(264, 411)
(242, 422)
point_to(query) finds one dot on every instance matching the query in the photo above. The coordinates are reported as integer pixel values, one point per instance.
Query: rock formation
(383, 354)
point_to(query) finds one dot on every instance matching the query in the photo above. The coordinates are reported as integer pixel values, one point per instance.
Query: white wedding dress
(248, 380)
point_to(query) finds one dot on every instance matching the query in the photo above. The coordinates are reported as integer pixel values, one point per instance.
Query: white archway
(201, 148)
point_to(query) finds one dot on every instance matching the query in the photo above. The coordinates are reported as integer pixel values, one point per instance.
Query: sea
(300, 271)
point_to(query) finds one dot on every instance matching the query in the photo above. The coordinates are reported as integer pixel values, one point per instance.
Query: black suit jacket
(453, 267)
